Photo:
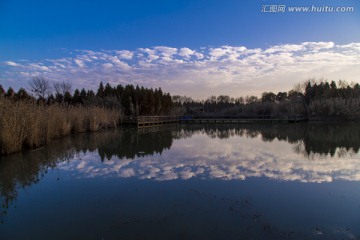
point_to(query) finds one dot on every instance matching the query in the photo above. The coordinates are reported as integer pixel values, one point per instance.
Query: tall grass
(26, 125)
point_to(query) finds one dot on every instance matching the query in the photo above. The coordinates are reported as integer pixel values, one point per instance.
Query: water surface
(286, 181)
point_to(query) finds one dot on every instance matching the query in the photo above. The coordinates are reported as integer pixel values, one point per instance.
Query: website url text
(306, 9)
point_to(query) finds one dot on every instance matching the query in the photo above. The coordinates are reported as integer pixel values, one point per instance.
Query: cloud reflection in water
(233, 158)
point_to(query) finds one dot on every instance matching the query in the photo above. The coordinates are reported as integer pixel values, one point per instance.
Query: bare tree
(40, 86)
(342, 84)
(62, 87)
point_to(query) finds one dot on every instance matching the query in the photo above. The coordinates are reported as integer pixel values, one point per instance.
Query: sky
(195, 48)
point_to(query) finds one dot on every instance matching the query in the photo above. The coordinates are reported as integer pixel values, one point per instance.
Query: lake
(260, 181)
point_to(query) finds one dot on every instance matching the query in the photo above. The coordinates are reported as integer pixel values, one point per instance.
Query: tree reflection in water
(310, 140)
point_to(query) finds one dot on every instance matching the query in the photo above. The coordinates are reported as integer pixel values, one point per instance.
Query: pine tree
(76, 99)
(2, 91)
(22, 95)
(108, 90)
(83, 94)
(67, 98)
(100, 92)
(10, 93)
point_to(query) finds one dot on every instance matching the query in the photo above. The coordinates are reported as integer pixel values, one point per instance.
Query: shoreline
(119, 125)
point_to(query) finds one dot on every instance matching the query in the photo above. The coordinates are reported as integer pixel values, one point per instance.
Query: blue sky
(195, 48)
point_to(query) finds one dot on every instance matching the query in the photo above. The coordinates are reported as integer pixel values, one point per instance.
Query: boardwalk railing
(148, 121)
(242, 119)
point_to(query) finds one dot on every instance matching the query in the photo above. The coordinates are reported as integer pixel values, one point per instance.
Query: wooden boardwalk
(243, 119)
(150, 121)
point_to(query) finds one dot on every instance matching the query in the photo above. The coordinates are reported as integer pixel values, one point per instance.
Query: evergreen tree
(22, 95)
(10, 93)
(108, 90)
(90, 94)
(76, 99)
(67, 98)
(83, 94)
(2, 91)
(100, 91)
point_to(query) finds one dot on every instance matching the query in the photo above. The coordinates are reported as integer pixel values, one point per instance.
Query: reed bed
(27, 125)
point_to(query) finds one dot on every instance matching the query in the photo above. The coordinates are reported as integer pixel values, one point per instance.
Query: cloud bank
(231, 70)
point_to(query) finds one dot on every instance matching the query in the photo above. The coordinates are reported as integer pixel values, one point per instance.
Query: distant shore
(30, 120)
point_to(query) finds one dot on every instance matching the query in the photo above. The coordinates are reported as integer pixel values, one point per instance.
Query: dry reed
(26, 125)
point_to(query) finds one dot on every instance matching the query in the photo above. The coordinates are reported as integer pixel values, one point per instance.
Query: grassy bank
(27, 125)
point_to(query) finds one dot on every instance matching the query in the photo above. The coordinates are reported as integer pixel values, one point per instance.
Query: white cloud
(186, 52)
(79, 62)
(120, 64)
(285, 48)
(166, 51)
(316, 46)
(125, 54)
(216, 53)
(108, 65)
(226, 52)
(25, 74)
(38, 67)
(231, 70)
(10, 63)
(199, 55)
(150, 54)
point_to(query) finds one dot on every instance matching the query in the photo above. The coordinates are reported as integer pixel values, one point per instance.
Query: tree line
(269, 104)
(317, 99)
(131, 100)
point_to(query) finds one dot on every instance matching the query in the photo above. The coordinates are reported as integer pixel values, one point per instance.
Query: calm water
(296, 181)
